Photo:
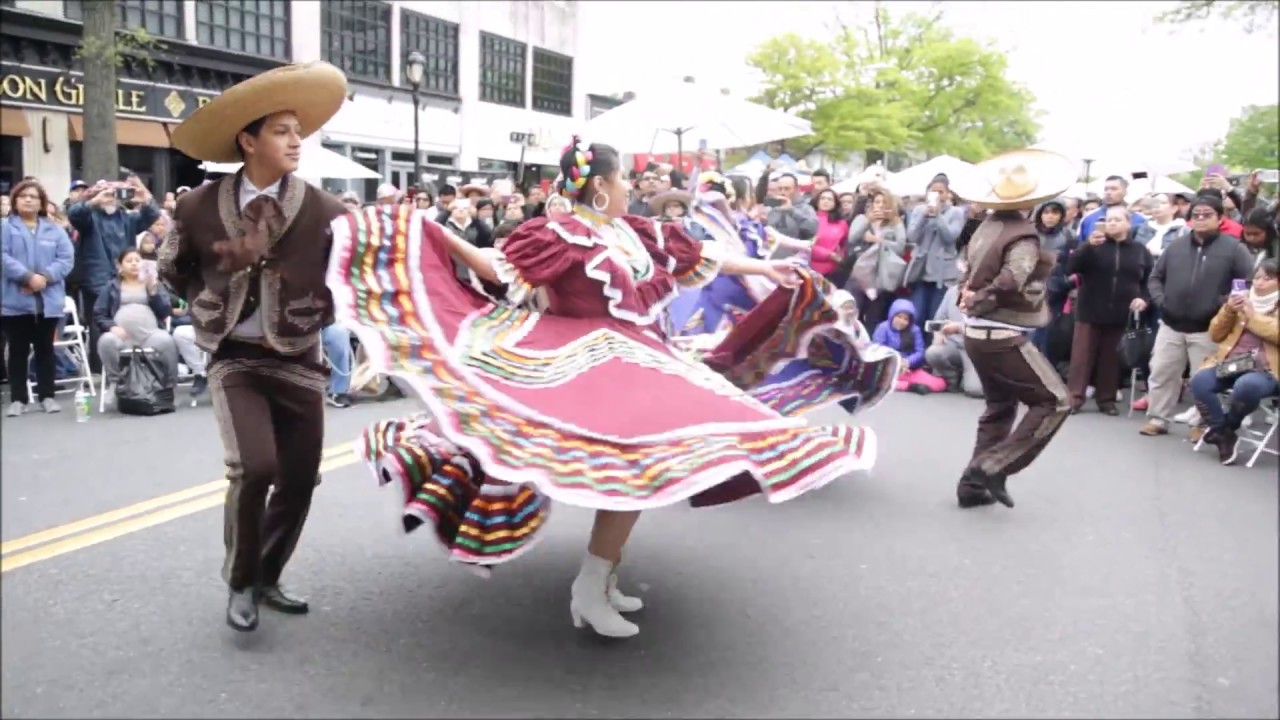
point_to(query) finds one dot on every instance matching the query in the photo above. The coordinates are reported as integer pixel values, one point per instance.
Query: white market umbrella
(915, 180)
(1079, 191)
(685, 117)
(316, 163)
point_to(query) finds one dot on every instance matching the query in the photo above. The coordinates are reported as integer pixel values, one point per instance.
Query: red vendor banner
(685, 164)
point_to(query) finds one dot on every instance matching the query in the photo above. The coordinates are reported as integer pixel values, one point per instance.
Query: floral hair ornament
(711, 181)
(575, 178)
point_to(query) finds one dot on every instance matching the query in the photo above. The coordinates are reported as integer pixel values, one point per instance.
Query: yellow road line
(335, 457)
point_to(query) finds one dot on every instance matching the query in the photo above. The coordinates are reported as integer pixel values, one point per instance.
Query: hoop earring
(599, 208)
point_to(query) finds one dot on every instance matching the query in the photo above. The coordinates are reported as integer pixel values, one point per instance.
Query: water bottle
(83, 403)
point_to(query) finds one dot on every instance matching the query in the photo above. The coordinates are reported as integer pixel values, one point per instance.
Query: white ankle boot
(589, 603)
(622, 603)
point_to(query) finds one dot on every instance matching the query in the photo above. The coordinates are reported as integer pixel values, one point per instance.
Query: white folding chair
(72, 337)
(1259, 437)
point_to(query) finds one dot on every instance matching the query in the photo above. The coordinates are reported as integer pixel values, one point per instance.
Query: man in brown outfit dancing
(249, 254)
(1002, 294)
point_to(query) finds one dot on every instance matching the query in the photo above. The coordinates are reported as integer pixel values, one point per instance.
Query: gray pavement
(1134, 579)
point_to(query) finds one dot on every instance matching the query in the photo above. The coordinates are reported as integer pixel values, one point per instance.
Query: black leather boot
(995, 486)
(275, 597)
(242, 610)
(971, 492)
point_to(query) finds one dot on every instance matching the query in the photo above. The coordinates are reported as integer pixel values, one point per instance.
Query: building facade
(498, 95)
(202, 48)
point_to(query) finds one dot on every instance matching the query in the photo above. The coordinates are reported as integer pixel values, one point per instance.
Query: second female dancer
(584, 402)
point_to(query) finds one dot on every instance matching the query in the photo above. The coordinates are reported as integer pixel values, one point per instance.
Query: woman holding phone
(880, 228)
(1113, 271)
(1247, 361)
(130, 313)
(933, 231)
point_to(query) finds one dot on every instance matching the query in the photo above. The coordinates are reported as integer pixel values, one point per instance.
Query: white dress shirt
(251, 328)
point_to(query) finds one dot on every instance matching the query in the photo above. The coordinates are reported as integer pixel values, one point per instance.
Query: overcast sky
(1107, 79)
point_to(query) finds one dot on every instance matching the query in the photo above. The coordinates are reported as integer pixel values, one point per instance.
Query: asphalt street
(1134, 579)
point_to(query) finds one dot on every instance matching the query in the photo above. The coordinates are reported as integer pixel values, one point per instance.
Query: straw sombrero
(660, 200)
(475, 186)
(1016, 180)
(313, 91)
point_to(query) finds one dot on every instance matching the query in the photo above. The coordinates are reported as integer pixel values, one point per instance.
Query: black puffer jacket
(1193, 277)
(1111, 276)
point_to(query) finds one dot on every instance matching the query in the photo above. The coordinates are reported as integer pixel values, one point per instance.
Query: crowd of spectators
(1191, 271)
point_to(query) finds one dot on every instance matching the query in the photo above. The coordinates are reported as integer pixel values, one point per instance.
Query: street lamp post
(413, 73)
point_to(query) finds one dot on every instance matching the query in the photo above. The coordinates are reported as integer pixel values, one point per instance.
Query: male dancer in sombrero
(1002, 294)
(249, 253)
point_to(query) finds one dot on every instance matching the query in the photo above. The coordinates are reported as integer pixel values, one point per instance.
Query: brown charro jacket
(1007, 272)
(288, 279)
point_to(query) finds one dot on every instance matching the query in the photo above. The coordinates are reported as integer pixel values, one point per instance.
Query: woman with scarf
(880, 227)
(1247, 362)
(585, 403)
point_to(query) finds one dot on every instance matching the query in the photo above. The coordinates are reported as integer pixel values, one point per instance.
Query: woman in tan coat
(1247, 362)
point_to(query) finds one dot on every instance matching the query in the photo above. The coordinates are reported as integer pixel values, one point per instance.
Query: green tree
(1256, 15)
(1253, 140)
(905, 84)
(1202, 157)
(103, 49)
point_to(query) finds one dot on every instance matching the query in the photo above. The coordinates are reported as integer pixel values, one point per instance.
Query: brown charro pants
(1014, 372)
(270, 412)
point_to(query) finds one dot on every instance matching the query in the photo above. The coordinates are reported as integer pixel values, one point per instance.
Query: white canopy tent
(915, 180)
(875, 172)
(316, 163)
(1102, 165)
(686, 117)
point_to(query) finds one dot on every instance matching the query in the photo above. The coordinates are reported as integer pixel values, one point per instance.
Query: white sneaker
(589, 600)
(1190, 416)
(15, 409)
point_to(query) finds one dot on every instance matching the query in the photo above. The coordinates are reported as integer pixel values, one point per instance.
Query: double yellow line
(90, 531)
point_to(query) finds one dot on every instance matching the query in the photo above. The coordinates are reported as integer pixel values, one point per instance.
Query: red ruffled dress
(583, 403)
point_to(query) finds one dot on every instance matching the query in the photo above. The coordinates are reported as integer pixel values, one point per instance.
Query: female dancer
(528, 406)
(713, 308)
(837, 362)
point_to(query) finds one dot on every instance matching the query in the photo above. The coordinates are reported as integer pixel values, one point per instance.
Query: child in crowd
(901, 333)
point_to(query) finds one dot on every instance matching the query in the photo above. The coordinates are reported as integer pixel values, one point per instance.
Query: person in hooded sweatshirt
(1057, 238)
(901, 333)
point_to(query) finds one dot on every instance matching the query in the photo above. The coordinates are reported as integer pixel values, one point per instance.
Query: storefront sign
(45, 87)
